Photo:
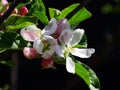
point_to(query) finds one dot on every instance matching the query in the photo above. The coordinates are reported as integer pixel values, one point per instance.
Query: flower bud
(23, 11)
(15, 11)
(4, 2)
(29, 53)
(4, 5)
(61, 25)
(47, 63)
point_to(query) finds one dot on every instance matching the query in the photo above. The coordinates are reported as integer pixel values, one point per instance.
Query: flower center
(38, 32)
(68, 50)
(46, 46)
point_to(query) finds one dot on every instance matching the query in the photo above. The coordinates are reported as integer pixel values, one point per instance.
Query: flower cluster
(56, 43)
(56, 39)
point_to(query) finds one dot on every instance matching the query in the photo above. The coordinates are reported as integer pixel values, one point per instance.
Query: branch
(8, 12)
(83, 3)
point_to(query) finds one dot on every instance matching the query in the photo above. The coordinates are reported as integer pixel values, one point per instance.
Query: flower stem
(83, 3)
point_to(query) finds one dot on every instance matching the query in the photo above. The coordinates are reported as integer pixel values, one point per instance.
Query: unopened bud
(23, 11)
(29, 53)
(47, 63)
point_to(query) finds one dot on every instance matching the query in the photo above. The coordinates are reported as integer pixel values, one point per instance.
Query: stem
(8, 12)
(83, 3)
(14, 72)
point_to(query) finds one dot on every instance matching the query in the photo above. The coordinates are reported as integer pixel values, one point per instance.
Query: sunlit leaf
(54, 13)
(24, 3)
(19, 26)
(38, 10)
(67, 10)
(78, 17)
(88, 75)
(31, 19)
(41, 16)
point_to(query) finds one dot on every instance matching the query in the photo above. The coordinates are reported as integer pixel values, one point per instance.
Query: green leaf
(9, 63)
(5, 87)
(2, 50)
(41, 16)
(31, 19)
(67, 10)
(12, 41)
(54, 13)
(19, 26)
(24, 3)
(38, 10)
(10, 21)
(78, 17)
(88, 75)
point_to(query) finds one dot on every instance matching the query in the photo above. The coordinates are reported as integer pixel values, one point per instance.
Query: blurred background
(103, 34)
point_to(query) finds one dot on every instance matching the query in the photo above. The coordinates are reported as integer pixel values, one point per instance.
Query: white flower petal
(77, 36)
(70, 65)
(66, 36)
(59, 51)
(83, 53)
(50, 28)
(38, 45)
(31, 28)
(29, 36)
(51, 42)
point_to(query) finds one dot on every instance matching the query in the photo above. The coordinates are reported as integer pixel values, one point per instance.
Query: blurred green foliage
(111, 7)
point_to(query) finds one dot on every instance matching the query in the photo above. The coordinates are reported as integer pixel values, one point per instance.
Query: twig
(83, 3)
(8, 12)
(14, 72)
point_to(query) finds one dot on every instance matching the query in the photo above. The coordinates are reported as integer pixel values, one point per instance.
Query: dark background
(103, 33)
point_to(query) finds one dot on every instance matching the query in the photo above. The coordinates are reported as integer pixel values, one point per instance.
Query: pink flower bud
(47, 63)
(29, 53)
(23, 11)
(61, 25)
(4, 2)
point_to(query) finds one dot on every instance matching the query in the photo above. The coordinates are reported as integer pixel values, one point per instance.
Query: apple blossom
(42, 41)
(57, 37)
(45, 46)
(45, 38)
(69, 39)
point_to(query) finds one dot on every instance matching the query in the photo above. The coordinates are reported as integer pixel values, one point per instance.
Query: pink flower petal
(29, 53)
(47, 63)
(29, 36)
(4, 2)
